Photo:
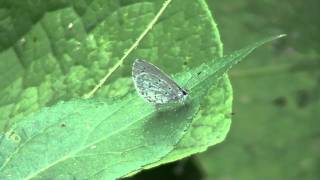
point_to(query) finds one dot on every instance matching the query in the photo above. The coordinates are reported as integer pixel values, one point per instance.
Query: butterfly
(154, 85)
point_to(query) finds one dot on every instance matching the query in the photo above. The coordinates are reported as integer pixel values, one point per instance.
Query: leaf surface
(114, 137)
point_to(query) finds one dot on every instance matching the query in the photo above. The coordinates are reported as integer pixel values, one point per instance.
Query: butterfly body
(154, 85)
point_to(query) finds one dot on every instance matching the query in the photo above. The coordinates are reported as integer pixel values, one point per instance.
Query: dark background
(275, 132)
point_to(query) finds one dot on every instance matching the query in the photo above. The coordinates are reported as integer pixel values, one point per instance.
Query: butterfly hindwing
(154, 85)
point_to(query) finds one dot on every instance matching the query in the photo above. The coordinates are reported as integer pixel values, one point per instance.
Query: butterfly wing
(154, 85)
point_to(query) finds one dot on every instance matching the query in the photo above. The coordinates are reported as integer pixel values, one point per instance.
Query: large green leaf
(112, 137)
(54, 51)
(61, 50)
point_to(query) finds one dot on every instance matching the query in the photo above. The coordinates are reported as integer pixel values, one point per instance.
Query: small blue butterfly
(154, 85)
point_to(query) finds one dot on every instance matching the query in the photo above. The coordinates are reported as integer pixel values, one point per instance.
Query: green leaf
(91, 139)
(61, 49)
(112, 137)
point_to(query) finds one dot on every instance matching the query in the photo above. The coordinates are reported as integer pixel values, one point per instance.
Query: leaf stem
(126, 54)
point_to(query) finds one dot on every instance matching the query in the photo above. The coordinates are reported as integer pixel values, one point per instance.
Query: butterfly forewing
(154, 85)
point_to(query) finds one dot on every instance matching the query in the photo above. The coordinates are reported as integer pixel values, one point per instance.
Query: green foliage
(60, 50)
